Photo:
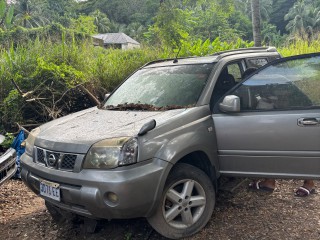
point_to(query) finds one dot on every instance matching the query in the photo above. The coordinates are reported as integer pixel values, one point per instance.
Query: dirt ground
(239, 214)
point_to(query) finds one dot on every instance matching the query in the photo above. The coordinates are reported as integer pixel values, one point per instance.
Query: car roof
(243, 52)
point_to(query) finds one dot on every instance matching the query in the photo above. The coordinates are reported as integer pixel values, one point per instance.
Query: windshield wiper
(132, 106)
(143, 107)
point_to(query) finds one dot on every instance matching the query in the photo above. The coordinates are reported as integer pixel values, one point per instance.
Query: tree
(279, 9)
(304, 19)
(29, 14)
(172, 25)
(6, 15)
(84, 24)
(313, 21)
(256, 27)
(61, 11)
(101, 21)
(214, 19)
(125, 11)
(297, 17)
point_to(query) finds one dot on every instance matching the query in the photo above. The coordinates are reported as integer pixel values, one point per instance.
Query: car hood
(77, 132)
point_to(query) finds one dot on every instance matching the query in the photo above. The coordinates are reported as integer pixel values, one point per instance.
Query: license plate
(50, 190)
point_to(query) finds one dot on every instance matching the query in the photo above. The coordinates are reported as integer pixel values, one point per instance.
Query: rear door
(277, 131)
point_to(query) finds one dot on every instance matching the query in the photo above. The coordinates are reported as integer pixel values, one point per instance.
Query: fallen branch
(22, 128)
(17, 87)
(91, 96)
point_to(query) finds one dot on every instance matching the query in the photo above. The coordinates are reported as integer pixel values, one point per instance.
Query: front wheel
(186, 204)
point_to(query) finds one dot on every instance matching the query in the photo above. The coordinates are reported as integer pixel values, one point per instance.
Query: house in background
(115, 40)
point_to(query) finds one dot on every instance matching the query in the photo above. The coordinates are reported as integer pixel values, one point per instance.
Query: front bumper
(138, 187)
(8, 165)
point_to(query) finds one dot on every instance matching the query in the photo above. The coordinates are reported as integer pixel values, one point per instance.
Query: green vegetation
(9, 137)
(49, 64)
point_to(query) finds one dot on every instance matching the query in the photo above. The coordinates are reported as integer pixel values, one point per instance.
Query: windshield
(161, 88)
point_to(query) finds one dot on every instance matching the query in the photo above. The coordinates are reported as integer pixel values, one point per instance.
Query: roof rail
(244, 50)
(221, 54)
(157, 61)
(167, 59)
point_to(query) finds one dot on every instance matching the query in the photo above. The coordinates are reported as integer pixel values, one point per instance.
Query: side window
(257, 62)
(253, 64)
(227, 79)
(291, 84)
(234, 70)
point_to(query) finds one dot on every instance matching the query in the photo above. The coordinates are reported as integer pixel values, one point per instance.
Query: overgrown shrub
(48, 72)
(22, 36)
(48, 75)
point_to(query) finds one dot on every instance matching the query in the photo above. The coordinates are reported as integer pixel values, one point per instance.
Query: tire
(186, 204)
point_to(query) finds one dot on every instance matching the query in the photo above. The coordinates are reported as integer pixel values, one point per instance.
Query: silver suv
(159, 143)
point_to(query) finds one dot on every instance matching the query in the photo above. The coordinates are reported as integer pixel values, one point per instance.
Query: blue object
(19, 149)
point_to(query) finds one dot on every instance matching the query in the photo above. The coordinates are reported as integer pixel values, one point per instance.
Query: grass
(300, 47)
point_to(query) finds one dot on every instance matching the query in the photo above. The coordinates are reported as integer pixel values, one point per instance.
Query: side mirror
(230, 103)
(106, 96)
(147, 127)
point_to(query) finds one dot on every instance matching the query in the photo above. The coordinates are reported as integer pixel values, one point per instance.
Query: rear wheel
(186, 204)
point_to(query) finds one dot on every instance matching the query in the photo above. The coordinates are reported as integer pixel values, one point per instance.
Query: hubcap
(184, 203)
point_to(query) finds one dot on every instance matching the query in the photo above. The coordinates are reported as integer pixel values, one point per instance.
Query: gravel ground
(239, 214)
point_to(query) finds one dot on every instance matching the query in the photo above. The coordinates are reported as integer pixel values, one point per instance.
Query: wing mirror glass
(230, 103)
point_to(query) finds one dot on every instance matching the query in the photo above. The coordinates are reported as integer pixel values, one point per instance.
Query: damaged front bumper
(90, 193)
(8, 165)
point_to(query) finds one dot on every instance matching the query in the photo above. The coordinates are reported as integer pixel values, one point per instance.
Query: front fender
(201, 140)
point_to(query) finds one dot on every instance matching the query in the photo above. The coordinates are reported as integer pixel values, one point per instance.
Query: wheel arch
(200, 159)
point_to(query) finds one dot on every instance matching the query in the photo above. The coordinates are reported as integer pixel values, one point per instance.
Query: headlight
(112, 153)
(30, 141)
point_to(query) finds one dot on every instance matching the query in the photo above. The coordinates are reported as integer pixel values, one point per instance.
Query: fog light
(112, 197)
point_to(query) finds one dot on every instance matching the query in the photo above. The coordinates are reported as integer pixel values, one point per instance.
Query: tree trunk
(256, 27)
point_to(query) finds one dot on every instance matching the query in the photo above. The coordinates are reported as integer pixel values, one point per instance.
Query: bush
(49, 74)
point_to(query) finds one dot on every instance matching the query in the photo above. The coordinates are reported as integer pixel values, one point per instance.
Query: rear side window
(257, 62)
(292, 84)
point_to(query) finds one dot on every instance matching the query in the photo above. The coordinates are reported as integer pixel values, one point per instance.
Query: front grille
(57, 160)
(4, 172)
(55, 154)
(68, 161)
(40, 155)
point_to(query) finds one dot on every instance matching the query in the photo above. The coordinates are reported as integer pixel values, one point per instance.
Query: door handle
(305, 122)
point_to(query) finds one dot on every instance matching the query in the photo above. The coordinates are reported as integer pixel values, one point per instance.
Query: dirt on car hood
(77, 132)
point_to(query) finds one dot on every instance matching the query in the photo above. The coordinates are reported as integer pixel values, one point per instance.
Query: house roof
(115, 38)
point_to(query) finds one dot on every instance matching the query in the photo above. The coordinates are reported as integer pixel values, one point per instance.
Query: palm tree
(256, 27)
(135, 30)
(6, 14)
(101, 21)
(297, 17)
(313, 21)
(29, 14)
